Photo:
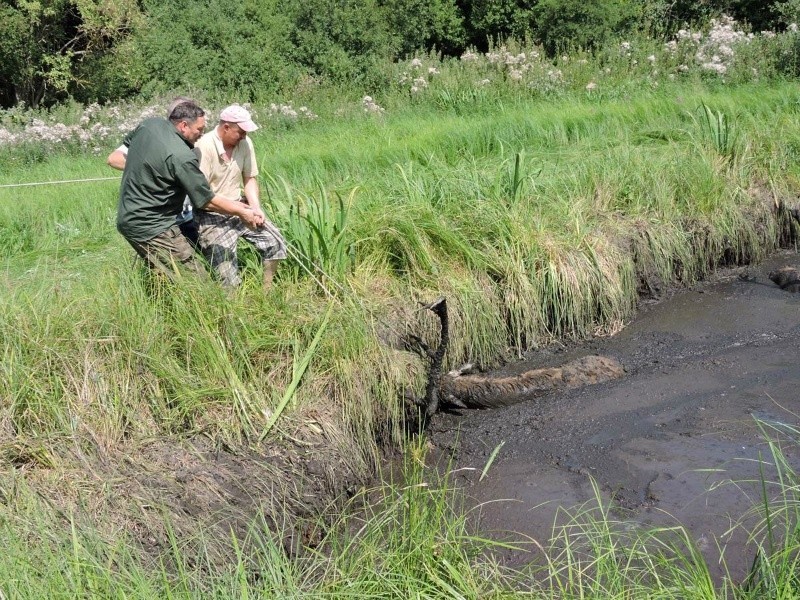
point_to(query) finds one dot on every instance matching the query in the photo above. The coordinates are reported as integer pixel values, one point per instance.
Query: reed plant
(776, 534)
(316, 230)
(402, 539)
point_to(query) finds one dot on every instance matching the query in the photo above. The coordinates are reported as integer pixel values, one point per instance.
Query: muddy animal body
(787, 278)
(479, 391)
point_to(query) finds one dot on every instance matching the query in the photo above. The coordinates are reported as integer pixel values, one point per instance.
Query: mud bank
(701, 367)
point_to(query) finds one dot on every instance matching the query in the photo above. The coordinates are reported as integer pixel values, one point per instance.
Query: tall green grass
(407, 538)
(538, 220)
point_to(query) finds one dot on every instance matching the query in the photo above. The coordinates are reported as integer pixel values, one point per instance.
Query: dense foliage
(101, 50)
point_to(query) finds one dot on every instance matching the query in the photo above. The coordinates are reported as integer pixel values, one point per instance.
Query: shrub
(565, 24)
(421, 25)
(497, 20)
(344, 41)
(239, 49)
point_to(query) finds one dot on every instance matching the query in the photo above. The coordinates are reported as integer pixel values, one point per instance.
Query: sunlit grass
(537, 220)
(409, 537)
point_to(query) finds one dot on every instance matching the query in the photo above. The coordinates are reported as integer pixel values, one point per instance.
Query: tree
(490, 21)
(240, 48)
(341, 40)
(425, 24)
(565, 24)
(42, 42)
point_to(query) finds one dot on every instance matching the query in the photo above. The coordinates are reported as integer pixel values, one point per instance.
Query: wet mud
(665, 443)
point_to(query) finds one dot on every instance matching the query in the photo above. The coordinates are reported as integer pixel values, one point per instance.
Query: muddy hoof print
(786, 278)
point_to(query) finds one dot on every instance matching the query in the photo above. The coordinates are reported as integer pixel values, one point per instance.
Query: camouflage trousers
(170, 253)
(219, 237)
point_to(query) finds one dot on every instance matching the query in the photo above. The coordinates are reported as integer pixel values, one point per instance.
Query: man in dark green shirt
(160, 171)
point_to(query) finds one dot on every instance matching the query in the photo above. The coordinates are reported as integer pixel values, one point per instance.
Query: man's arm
(192, 179)
(118, 158)
(249, 181)
(251, 194)
(253, 219)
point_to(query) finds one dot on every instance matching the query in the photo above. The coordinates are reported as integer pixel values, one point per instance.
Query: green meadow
(539, 217)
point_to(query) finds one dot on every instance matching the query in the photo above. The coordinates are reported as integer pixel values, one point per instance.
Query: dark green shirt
(160, 171)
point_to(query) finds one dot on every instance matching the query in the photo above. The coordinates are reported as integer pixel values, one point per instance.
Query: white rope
(296, 253)
(13, 185)
(292, 251)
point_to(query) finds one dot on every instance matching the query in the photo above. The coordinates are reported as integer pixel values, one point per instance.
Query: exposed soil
(198, 490)
(701, 367)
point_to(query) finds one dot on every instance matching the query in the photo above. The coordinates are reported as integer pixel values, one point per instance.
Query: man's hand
(249, 217)
(253, 219)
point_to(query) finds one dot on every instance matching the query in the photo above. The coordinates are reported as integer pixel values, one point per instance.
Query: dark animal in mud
(480, 391)
(786, 278)
(461, 390)
(436, 357)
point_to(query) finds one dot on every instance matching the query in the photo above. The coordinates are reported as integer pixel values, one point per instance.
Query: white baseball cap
(239, 115)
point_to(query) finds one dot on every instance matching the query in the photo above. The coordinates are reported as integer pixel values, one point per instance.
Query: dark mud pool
(665, 442)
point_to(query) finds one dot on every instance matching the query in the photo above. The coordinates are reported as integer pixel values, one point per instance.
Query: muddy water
(662, 442)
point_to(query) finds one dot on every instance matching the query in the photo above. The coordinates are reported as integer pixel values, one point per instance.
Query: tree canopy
(100, 50)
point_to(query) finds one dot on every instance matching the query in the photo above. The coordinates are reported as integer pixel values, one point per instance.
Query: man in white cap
(228, 161)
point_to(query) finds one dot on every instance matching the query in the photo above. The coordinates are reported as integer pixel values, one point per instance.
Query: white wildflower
(370, 106)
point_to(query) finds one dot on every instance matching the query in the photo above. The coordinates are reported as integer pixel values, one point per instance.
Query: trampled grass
(537, 219)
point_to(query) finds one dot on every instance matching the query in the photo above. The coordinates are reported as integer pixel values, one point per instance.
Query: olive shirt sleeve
(191, 179)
